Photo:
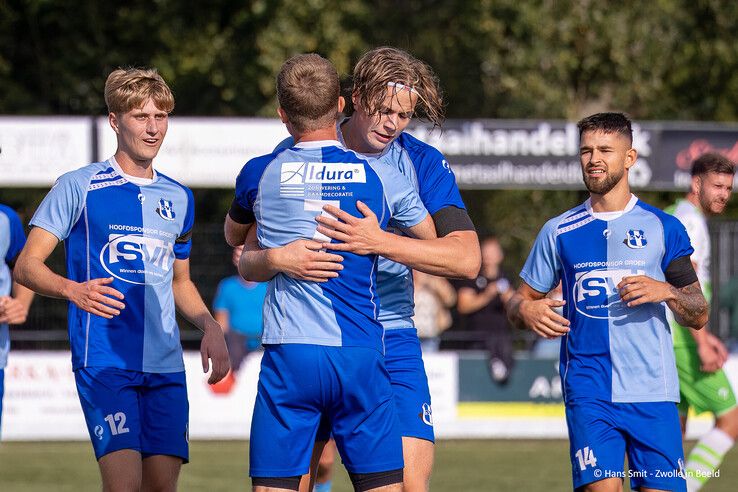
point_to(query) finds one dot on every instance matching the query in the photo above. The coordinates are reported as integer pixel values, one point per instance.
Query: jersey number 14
(585, 457)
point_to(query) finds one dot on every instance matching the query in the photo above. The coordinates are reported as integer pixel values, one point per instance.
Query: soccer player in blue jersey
(389, 87)
(323, 357)
(127, 236)
(621, 263)
(15, 300)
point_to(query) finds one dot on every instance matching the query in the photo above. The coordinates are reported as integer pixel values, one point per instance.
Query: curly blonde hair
(384, 65)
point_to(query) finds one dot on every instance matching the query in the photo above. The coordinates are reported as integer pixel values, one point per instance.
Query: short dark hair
(712, 162)
(308, 89)
(607, 123)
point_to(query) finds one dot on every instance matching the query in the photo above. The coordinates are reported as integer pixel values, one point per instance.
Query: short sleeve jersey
(429, 173)
(12, 240)
(283, 192)
(113, 227)
(613, 352)
(696, 224)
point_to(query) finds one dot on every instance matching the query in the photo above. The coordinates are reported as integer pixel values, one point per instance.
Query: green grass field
(461, 466)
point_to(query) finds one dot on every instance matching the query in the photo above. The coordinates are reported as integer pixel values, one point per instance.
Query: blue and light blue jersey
(613, 352)
(113, 227)
(284, 191)
(12, 240)
(428, 172)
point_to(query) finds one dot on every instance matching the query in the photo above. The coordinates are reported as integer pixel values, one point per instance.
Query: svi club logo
(136, 259)
(596, 293)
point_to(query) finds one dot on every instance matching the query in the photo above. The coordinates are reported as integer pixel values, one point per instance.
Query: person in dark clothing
(482, 301)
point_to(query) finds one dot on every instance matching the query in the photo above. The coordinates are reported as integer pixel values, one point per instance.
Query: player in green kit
(700, 355)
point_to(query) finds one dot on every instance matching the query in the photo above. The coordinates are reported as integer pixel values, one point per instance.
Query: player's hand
(640, 289)
(539, 316)
(95, 297)
(361, 236)
(305, 260)
(712, 352)
(12, 311)
(213, 350)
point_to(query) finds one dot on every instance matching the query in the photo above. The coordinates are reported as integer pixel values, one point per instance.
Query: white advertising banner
(41, 400)
(34, 151)
(206, 152)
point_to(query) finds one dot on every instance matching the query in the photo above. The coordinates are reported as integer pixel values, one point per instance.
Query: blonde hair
(308, 89)
(129, 88)
(384, 65)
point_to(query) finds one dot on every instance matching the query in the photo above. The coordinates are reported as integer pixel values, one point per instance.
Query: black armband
(450, 219)
(240, 215)
(680, 272)
(183, 238)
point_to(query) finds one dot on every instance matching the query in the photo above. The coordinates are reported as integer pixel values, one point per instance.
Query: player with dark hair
(700, 355)
(621, 262)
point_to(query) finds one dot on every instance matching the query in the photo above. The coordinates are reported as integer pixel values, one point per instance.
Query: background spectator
(238, 307)
(433, 297)
(483, 302)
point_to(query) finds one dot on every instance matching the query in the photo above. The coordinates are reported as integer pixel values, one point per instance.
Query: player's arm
(531, 309)
(190, 304)
(235, 233)
(302, 259)
(14, 308)
(31, 271)
(681, 292)
(455, 254)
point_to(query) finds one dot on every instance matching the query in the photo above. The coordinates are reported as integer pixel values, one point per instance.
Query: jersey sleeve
(676, 241)
(17, 236)
(406, 207)
(542, 269)
(436, 182)
(247, 188)
(62, 206)
(183, 243)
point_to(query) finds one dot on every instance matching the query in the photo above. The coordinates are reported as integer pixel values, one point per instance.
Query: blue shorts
(601, 433)
(146, 412)
(300, 385)
(404, 362)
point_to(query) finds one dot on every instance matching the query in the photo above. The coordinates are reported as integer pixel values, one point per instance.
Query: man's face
(604, 158)
(141, 131)
(378, 130)
(713, 191)
(492, 253)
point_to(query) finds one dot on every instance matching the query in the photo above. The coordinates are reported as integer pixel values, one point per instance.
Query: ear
(113, 120)
(283, 115)
(631, 156)
(696, 185)
(341, 104)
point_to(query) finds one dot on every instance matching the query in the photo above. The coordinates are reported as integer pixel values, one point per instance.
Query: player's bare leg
(121, 471)
(606, 485)
(326, 461)
(683, 422)
(308, 480)
(418, 456)
(160, 473)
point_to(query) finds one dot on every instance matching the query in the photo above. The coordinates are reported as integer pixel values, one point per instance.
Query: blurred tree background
(561, 59)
